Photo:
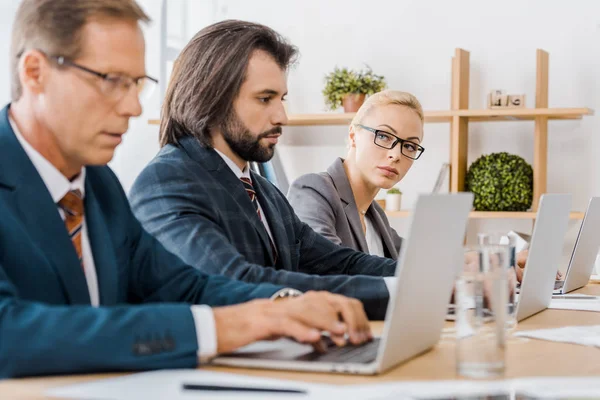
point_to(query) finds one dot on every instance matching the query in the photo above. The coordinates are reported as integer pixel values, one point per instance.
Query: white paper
(589, 304)
(584, 335)
(167, 384)
(554, 387)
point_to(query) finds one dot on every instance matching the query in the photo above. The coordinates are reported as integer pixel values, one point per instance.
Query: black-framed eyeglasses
(113, 85)
(388, 141)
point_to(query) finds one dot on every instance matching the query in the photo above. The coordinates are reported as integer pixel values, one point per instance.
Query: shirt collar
(245, 173)
(58, 185)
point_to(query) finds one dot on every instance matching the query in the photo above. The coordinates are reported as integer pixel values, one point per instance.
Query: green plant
(343, 81)
(500, 182)
(394, 191)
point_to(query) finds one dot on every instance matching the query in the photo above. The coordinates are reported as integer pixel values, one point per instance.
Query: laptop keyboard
(362, 354)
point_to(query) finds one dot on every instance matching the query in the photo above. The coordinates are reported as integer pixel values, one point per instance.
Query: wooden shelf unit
(459, 116)
(529, 215)
(513, 114)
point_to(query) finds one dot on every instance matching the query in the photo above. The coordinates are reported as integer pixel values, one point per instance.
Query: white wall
(7, 13)
(411, 42)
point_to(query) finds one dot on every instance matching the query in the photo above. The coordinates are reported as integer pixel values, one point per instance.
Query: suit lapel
(39, 214)
(213, 162)
(102, 247)
(376, 216)
(342, 185)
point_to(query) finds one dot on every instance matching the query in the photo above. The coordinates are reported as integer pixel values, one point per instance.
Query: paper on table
(584, 335)
(167, 384)
(555, 387)
(574, 304)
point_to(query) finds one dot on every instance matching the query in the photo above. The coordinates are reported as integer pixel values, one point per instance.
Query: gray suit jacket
(325, 202)
(192, 202)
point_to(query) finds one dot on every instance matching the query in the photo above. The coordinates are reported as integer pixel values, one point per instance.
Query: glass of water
(481, 314)
(495, 239)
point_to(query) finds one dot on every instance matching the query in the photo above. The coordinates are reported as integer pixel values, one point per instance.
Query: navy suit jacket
(191, 201)
(47, 325)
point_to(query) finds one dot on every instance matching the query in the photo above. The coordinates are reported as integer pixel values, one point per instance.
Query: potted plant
(393, 199)
(349, 88)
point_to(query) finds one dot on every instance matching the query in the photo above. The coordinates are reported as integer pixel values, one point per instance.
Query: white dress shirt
(374, 241)
(58, 186)
(375, 247)
(245, 173)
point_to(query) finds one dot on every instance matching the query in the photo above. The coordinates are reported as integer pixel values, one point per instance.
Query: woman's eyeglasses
(388, 141)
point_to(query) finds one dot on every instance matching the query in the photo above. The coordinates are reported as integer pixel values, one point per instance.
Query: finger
(300, 332)
(339, 340)
(519, 272)
(317, 312)
(522, 258)
(353, 314)
(347, 314)
(364, 326)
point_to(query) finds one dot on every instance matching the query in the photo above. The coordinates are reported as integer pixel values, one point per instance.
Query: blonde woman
(384, 141)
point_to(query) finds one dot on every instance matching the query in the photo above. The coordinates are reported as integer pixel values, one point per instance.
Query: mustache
(275, 131)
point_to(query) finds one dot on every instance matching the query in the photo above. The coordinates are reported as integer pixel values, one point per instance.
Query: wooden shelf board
(490, 214)
(509, 114)
(523, 114)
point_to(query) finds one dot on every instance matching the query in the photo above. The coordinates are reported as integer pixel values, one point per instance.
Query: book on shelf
(442, 175)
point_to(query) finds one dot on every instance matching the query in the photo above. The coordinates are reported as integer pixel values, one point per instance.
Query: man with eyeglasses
(224, 109)
(83, 287)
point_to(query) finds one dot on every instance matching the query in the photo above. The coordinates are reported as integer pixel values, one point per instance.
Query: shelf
(489, 214)
(509, 114)
(523, 114)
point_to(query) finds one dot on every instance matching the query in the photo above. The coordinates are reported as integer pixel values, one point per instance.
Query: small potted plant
(349, 88)
(393, 199)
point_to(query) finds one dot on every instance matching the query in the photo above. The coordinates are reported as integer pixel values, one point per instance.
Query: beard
(244, 143)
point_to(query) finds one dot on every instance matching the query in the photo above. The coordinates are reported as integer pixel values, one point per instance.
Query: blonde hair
(389, 97)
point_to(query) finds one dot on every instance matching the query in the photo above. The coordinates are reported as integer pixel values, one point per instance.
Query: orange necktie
(72, 205)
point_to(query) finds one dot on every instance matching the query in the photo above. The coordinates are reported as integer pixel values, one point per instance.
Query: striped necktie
(252, 194)
(72, 205)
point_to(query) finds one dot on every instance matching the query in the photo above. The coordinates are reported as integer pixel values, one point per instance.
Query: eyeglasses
(388, 141)
(115, 86)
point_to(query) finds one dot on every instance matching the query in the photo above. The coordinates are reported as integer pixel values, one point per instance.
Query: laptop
(429, 261)
(544, 254)
(585, 251)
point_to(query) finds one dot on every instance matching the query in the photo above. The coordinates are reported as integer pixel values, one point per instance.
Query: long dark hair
(208, 74)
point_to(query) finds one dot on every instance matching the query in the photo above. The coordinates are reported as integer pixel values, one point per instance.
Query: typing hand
(522, 261)
(302, 318)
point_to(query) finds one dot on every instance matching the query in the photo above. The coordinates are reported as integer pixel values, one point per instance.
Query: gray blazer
(326, 203)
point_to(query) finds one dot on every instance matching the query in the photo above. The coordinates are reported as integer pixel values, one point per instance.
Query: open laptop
(585, 251)
(429, 261)
(544, 254)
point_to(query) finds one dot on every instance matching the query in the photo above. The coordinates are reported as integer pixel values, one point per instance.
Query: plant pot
(352, 102)
(393, 201)
(381, 203)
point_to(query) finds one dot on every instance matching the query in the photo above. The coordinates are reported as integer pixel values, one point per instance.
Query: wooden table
(524, 358)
